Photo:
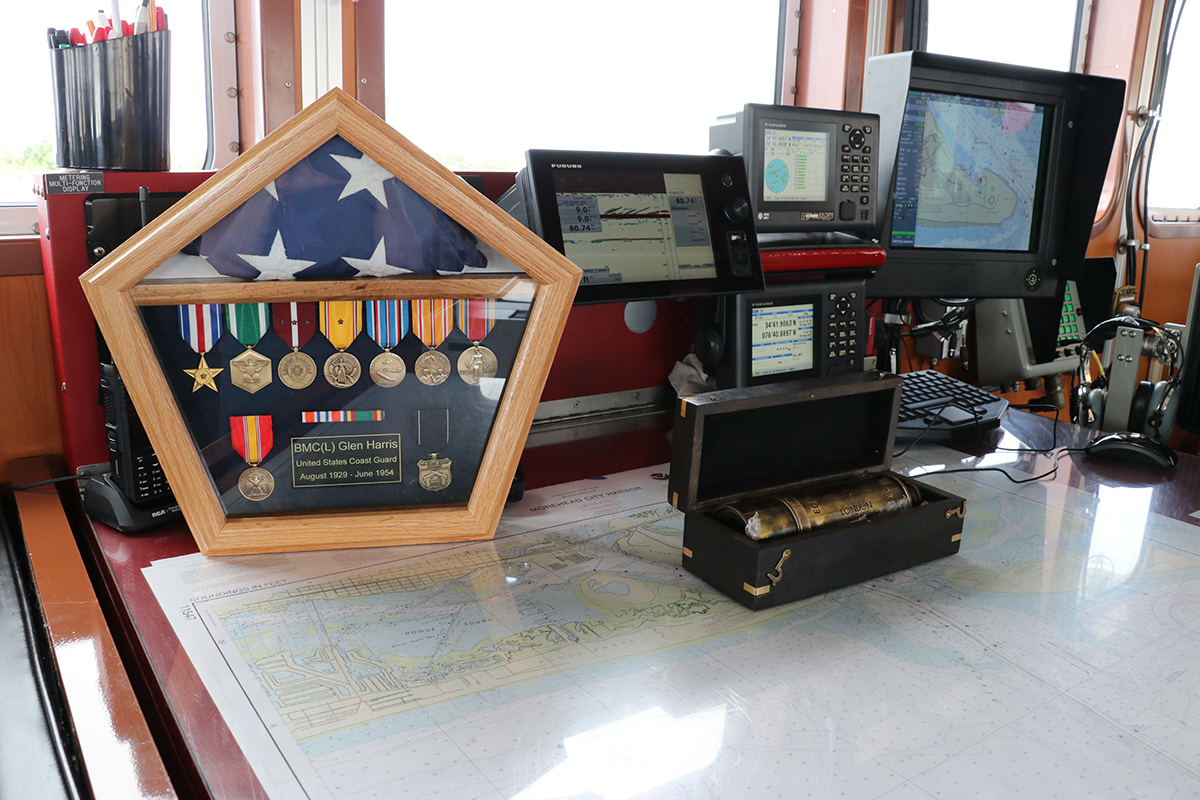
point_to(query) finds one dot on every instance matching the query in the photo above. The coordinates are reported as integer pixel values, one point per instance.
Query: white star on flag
(276, 266)
(466, 268)
(364, 174)
(375, 266)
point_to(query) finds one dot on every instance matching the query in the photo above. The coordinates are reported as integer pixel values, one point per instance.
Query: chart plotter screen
(969, 173)
(634, 227)
(794, 165)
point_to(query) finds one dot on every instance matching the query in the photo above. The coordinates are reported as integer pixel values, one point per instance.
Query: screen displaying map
(969, 173)
(794, 165)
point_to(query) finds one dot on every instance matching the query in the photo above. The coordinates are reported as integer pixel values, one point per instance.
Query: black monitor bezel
(913, 272)
(723, 179)
(778, 216)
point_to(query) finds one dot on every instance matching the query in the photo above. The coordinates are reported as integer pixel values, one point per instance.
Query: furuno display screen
(642, 225)
(811, 170)
(789, 331)
(781, 339)
(630, 227)
(995, 173)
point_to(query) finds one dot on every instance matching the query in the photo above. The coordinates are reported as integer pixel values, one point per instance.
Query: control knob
(736, 209)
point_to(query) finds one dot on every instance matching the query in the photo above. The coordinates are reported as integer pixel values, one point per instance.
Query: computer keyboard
(937, 407)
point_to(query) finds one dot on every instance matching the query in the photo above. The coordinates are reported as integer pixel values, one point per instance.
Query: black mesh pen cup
(112, 103)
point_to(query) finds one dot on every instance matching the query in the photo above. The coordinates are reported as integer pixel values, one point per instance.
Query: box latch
(774, 576)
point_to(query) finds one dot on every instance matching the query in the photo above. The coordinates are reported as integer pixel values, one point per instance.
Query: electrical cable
(65, 479)
(1054, 450)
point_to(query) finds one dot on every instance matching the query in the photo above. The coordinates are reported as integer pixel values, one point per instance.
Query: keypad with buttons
(843, 333)
(855, 163)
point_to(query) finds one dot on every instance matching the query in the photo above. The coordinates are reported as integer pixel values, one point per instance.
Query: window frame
(21, 219)
(1164, 222)
(1103, 34)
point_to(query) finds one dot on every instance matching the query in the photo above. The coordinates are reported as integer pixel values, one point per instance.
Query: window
(1029, 33)
(27, 146)
(476, 83)
(1175, 168)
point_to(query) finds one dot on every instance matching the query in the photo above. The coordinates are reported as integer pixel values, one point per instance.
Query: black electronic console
(134, 466)
(642, 225)
(992, 174)
(812, 172)
(792, 331)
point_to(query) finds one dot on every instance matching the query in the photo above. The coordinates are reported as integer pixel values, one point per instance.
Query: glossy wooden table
(200, 753)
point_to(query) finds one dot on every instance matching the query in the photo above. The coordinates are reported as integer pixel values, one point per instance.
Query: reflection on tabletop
(572, 656)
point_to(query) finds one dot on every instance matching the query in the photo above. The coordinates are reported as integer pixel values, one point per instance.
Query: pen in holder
(112, 103)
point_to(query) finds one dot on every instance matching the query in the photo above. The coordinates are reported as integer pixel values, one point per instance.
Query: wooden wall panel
(28, 405)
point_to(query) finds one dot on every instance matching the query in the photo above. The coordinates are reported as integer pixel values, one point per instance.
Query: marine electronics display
(642, 225)
(995, 173)
(802, 329)
(811, 170)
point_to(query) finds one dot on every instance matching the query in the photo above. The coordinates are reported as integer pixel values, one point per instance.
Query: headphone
(1150, 411)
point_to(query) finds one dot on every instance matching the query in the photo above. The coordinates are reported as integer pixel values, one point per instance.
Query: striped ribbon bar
(252, 437)
(475, 317)
(387, 321)
(247, 321)
(200, 326)
(432, 320)
(341, 321)
(361, 415)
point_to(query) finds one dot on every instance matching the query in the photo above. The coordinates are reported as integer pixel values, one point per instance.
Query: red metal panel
(63, 227)
(821, 260)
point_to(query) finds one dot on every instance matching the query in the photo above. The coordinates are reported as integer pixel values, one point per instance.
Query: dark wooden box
(737, 444)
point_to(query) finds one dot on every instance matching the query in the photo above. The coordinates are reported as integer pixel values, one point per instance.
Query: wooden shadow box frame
(116, 290)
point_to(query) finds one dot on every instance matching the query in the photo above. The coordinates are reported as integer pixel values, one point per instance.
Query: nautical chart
(573, 657)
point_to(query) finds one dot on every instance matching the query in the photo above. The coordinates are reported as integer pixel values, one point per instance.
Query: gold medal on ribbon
(251, 370)
(476, 363)
(252, 438)
(341, 322)
(295, 324)
(476, 318)
(297, 370)
(387, 369)
(387, 324)
(432, 320)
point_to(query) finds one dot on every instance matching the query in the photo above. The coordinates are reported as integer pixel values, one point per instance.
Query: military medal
(252, 439)
(433, 430)
(432, 321)
(341, 322)
(200, 327)
(295, 323)
(387, 324)
(433, 473)
(476, 318)
(248, 322)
